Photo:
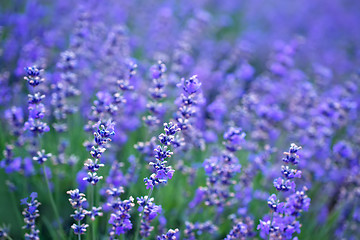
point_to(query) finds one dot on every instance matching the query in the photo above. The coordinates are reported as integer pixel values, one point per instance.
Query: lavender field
(202, 119)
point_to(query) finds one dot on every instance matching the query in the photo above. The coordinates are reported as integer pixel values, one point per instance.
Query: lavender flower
(64, 89)
(283, 222)
(220, 170)
(30, 214)
(150, 211)
(162, 173)
(42, 156)
(120, 216)
(234, 138)
(77, 201)
(242, 229)
(188, 104)
(102, 136)
(157, 94)
(171, 234)
(36, 108)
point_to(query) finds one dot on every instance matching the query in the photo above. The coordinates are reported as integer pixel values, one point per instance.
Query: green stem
(140, 215)
(79, 235)
(53, 204)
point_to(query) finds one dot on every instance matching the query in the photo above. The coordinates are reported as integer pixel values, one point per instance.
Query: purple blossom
(120, 212)
(162, 172)
(150, 211)
(30, 214)
(171, 234)
(36, 108)
(77, 201)
(283, 222)
(42, 156)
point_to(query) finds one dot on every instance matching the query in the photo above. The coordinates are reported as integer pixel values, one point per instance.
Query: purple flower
(162, 172)
(158, 70)
(104, 132)
(33, 76)
(241, 230)
(171, 235)
(275, 204)
(35, 126)
(102, 136)
(284, 185)
(234, 138)
(15, 118)
(30, 214)
(94, 212)
(283, 223)
(191, 85)
(79, 229)
(290, 173)
(120, 216)
(36, 108)
(292, 156)
(77, 201)
(42, 156)
(150, 211)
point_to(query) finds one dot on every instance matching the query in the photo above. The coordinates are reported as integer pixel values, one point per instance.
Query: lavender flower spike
(162, 172)
(30, 214)
(102, 136)
(284, 215)
(77, 201)
(36, 108)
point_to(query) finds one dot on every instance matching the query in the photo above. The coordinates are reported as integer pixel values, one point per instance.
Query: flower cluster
(157, 94)
(170, 235)
(188, 103)
(36, 108)
(120, 215)
(42, 156)
(242, 229)
(78, 201)
(162, 172)
(102, 136)
(149, 212)
(283, 222)
(30, 214)
(110, 101)
(64, 90)
(220, 170)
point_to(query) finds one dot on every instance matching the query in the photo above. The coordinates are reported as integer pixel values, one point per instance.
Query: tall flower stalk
(38, 127)
(30, 214)
(102, 136)
(283, 222)
(77, 201)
